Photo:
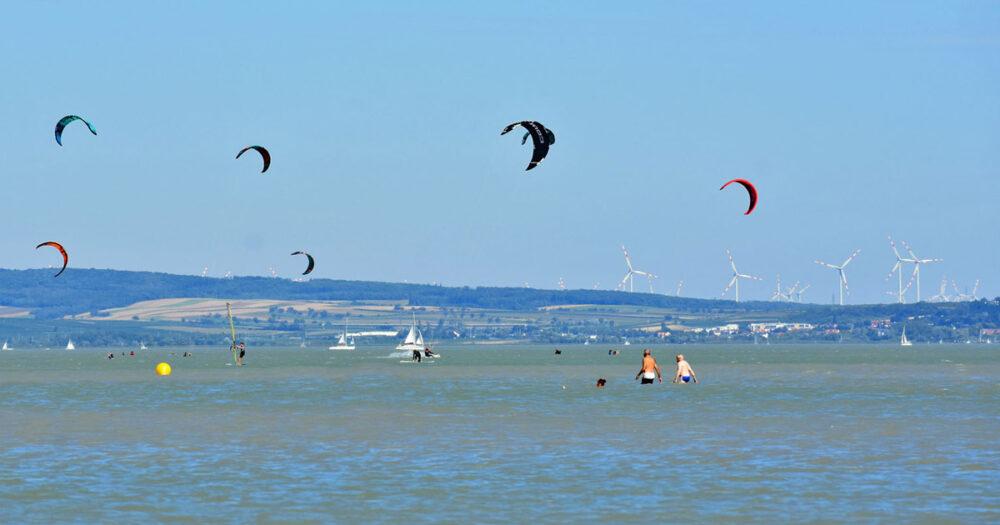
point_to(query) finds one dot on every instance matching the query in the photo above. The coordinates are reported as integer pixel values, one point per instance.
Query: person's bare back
(684, 371)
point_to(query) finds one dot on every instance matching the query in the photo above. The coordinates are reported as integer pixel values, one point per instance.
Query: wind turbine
(959, 296)
(790, 293)
(562, 284)
(778, 294)
(204, 271)
(916, 266)
(680, 287)
(800, 291)
(631, 272)
(840, 273)
(941, 296)
(736, 277)
(898, 270)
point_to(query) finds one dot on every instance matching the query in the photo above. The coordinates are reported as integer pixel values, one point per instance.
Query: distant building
(766, 328)
(726, 329)
(877, 324)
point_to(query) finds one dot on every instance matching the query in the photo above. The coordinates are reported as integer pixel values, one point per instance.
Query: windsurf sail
(232, 333)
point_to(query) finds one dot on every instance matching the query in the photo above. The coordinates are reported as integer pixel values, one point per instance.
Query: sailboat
(5, 347)
(142, 346)
(70, 345)
(903, 341)
(414, 342)
(342, 343)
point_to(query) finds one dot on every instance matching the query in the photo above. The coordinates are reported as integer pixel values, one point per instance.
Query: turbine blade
(851, 258)
(895, 267)
(730, 285)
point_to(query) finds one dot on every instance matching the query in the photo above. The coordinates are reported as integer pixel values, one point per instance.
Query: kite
(751, 190)
(62, 250)
(312, 262)
(63, 122)
(263, 153)
(541, 138)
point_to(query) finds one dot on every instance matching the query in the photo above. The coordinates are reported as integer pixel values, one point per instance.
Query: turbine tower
(898, 270)
(916, 267)
(736, 277)
(840, 272)
(680, 287)
(779, 294)
(800, 291)
(631, 272)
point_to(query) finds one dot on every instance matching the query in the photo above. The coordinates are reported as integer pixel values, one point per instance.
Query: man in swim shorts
(650, 370)
(684, 371)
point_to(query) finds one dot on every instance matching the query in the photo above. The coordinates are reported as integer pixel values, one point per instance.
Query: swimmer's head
(646, 352)
(680, 357)
(601, 382)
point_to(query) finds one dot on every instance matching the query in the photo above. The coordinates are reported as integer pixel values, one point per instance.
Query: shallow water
(502, 434)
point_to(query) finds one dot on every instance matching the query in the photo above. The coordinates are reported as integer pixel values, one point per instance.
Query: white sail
(903, 341)
(411, 338)
(142, 346)
(5, 347)
(342, 343)
(70, 346)
(420, 339)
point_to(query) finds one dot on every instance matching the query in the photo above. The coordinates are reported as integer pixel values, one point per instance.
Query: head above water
(646, 352)
(601, 382)
(680, 357)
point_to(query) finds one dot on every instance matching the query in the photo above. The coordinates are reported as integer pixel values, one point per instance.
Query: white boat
(626, 343)
(5, 347)
(903, 341)
(343, 343)
(142, 346)
(414, 341)
(70, 345)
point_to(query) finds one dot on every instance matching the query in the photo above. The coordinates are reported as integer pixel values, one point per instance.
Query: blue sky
(855, 120)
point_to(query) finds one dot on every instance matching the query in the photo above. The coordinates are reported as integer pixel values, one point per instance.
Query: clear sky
(855, 120)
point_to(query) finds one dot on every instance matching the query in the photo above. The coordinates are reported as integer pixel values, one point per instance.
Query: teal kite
(63, 122)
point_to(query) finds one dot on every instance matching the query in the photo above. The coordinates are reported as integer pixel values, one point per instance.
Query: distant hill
(109, 307)
(80, 291)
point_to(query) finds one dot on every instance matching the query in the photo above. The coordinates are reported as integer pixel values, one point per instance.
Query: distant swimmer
(601, 382)
(243, 353)
(428, 352)
(111, 355)
(650, 370)
(558, 352)
(416, 356)
(684, 371)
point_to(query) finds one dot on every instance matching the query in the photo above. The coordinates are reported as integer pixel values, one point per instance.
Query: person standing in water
(650, 370)
(684, 371)
(243, 353)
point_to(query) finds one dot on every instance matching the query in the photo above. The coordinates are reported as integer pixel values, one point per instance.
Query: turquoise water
(502, 435)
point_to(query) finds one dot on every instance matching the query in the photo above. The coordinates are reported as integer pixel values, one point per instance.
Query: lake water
(502, 435)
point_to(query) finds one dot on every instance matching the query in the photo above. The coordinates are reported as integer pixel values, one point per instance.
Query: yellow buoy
(163, 369)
